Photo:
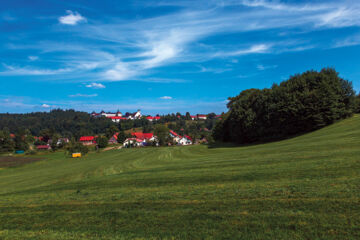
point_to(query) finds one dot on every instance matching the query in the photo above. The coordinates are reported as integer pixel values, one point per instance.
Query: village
(176, 132)
(139, 139)
(118, 116)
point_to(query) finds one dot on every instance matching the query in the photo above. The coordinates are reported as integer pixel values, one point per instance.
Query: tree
(54, 141)
(102, 141)
(357, 104)
(121, 137)
(187, 116)
(111, 131)
(162, 134)
(20, 143)
(6, 143)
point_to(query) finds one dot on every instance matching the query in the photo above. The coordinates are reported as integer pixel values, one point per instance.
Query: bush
(102, 141)
(75, 147)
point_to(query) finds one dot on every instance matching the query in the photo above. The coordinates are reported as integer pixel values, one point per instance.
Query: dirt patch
(7, 161)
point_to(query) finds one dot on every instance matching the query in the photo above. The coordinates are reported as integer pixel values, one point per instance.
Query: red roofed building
(117, 118)
(151, 118)
(114, 138)
(43, 147)
(87, 140)
(143, 136)
(201, 116)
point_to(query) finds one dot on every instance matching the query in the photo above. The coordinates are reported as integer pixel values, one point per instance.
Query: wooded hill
(301, 104)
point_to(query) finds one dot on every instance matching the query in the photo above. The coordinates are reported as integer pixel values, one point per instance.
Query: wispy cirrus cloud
(137, 48)
(83, 95)
(262, 67)
(19, 71)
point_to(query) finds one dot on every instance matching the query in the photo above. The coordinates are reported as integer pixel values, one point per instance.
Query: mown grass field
(302, 188)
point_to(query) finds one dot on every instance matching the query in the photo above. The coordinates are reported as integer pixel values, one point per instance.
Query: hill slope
(302, 188)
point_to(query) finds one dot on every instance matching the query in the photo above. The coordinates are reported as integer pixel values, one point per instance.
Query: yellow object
(76, 155)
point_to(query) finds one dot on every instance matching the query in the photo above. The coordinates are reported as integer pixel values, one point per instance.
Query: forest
(303, 103)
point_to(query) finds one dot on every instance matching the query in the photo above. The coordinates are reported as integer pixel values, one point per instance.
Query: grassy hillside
(303, 188)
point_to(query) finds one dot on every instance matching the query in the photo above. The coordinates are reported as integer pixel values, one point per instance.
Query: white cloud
(121, 71)
(33, 58)
(349, 41)
(166, 98)
(95, 85)
(262, 67)
(258, 48)
(83, 95)
(45, 105)
(72, 18)
(18, 71)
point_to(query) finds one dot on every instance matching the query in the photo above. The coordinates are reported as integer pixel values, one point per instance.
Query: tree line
(303, 103)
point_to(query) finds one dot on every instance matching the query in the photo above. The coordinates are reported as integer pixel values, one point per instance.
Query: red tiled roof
(175, 134)
(201, 115)
(141, 135)
(151, 117)
(188, 137)
(116, 135)
(87, 138)
(136, 139)
(121, 118)
(42, 147)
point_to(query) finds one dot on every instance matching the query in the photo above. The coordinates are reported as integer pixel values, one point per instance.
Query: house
(185, 140)
(62, 141)
(135, 142)
(151, 118)
(139, 139)
(193, 117)
(39, 138)
(144, 136)
(180, 140)
(201, 117)
(114, 138)
(43, 147)
(117, 119)
(87, 140)
(176, 137)
(136, 115)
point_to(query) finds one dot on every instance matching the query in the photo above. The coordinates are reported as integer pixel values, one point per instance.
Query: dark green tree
(102, 141)
(162, 134)
(121, 137)
(6, 143)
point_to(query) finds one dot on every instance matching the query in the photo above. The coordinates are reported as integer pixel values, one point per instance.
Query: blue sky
(166, 56)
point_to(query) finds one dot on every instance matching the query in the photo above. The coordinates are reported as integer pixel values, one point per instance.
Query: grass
(307, 187)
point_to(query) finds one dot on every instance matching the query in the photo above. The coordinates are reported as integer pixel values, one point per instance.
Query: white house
(133, 142)
(185, 140)
(176, 137)
(201, 116)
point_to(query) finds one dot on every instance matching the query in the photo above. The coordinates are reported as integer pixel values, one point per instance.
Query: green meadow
(306, 187)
